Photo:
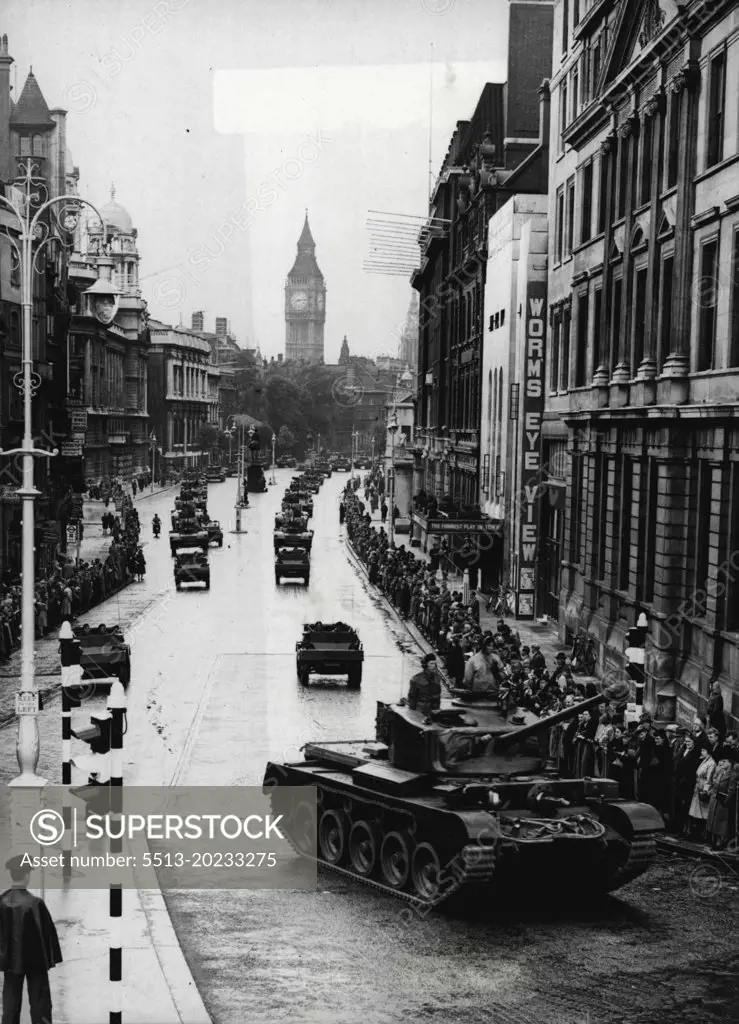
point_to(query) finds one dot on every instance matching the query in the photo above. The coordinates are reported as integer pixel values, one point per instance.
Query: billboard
(532, 409)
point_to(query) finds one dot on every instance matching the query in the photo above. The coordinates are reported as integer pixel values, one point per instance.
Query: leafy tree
(285, 438)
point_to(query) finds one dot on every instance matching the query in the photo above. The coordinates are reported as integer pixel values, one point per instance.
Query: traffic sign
(26, 702)
(78, 419)
(72, 449)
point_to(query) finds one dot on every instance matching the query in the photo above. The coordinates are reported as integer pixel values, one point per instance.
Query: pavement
(158, 987)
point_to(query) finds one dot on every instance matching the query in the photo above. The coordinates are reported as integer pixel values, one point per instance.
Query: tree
(285, 438)
(209, 436)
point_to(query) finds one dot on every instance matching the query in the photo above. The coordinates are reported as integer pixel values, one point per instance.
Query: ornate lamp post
(355, 435)
(38, 222)
(392, 428)
(274, 443)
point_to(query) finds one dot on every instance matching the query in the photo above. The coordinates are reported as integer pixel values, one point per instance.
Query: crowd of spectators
(690, 776)
(74, 586)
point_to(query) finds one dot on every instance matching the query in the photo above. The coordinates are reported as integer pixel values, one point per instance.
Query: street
(214, 695)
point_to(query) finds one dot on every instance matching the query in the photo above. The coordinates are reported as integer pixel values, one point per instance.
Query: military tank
(462, 800)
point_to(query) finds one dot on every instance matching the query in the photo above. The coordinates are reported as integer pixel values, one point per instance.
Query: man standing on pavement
(29, 948)
(484, 670)
(424, 694)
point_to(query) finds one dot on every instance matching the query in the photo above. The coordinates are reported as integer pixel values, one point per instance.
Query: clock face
(299, 300)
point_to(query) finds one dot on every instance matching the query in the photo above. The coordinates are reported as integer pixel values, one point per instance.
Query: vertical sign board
(532, 407)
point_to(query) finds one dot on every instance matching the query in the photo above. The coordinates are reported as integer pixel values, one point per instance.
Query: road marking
(197, 721)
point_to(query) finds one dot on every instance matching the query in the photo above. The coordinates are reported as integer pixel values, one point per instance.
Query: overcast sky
(220, 121)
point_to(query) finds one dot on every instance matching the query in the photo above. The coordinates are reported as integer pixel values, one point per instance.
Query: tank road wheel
(395, 859)
(364, 847)
(425, 871)
(332, 835)
(302, 828)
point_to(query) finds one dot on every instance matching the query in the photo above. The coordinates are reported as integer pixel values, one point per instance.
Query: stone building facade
(643, 361)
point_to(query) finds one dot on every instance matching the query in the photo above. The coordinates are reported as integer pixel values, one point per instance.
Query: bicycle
(504, 606)
(584, 656)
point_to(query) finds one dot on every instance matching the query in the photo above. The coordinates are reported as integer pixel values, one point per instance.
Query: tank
(464, 800)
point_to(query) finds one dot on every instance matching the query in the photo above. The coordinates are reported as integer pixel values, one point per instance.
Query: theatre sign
(532, 408)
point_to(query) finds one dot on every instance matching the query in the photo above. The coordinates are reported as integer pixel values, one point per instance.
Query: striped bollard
(117, 709)
(71, 676)
(636, 639)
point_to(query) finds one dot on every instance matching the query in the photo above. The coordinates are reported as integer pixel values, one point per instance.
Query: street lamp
(153, 442)
(274, 443)
(392, 428)
(34, 231)
(355, 436)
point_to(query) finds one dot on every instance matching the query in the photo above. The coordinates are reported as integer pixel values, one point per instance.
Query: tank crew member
(484, 670)
(424, 694)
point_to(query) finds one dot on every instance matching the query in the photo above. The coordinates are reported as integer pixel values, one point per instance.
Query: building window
(734, 335)
(707, 298)
(581, 355)
(673, 139)
(575, 517)
(25, 145)
(650, 546)
(570, 217)
(702, 512)
(639, 314)
(586, 203)
(716, 103)
(554, 355)
(565, 24)
(575, 12)
(38, 146)
(559, 226)
(665, 306)
(595, 68)
(603, 196)
(624, 547)
(623, 176)
(562, 113)
(564, 363)
(645, 193)
(575, 92)
(731, 577)
(597, 339)
(614, 327)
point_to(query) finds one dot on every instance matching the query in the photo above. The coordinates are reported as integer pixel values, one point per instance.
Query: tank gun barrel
(567, 714)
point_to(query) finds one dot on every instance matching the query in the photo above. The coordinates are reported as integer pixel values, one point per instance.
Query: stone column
(628, 133)
(677, 364)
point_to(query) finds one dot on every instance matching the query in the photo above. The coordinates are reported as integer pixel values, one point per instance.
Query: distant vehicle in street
(342, 464)
(330, 649)
(292, 564)
(293, 535)
(103, 653)
(231, 471)
(289, 516)
(191, 566)
(215, 474)
(189, 534)
(324, 466)
(215, 532)
(286, 462)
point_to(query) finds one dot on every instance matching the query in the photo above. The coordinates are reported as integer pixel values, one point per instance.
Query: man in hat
(424, 693)
(537, 658)
(29, 947)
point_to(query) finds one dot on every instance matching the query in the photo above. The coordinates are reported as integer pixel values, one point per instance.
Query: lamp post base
(28, 782)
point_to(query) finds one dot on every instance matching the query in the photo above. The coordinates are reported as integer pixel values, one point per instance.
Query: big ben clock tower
(305, 303)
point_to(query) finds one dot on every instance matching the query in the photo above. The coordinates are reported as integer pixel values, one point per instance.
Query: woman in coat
(684, 770)
(721, 821)
(715, 715)
(698, 811)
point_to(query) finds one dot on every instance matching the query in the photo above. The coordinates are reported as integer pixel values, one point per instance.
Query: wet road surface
(214, 695)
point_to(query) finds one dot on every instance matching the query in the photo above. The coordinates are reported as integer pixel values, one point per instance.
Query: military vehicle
(293, 535)
(330, 649)
(189, 534)
(342, 464)
(465, 798)
(323, 466)
(216, 475)
(287, 462)
(103, 653)
(191, 566)
(215, 532)
(292, 564)
(290, 514)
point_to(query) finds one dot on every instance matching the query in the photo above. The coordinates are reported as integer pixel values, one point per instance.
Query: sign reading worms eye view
(369, 616)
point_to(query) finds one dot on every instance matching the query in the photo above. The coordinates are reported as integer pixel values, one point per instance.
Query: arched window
(38, 145)
(25, 145)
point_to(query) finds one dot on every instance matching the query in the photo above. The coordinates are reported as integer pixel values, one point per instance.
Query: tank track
(642, 852)
(472, 866)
